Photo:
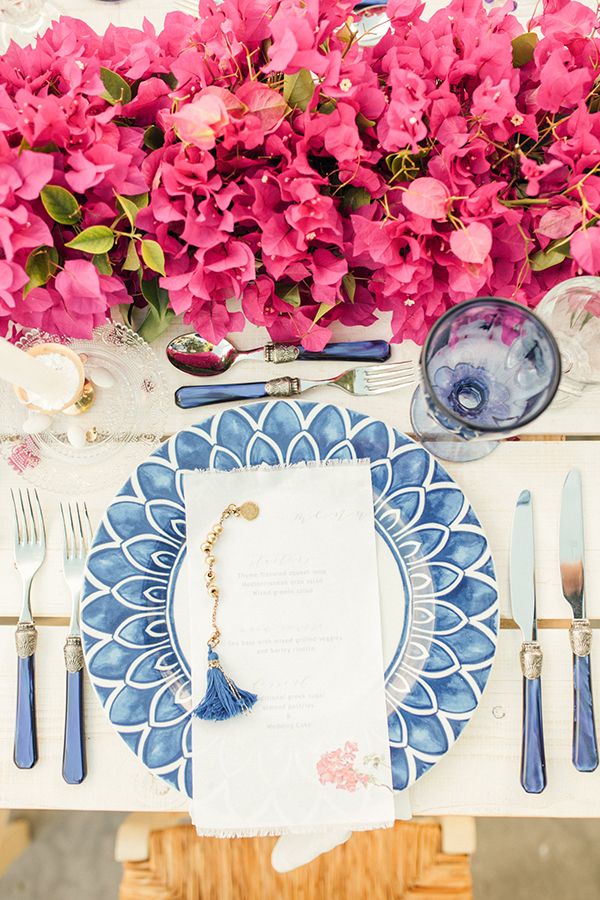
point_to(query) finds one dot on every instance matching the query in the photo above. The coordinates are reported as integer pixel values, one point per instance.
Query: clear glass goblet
(572, 310)
(488, 367)
(23, 20)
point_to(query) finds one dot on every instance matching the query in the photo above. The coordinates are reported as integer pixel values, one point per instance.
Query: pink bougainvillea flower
(79, 286)
(35, 171)
(535, 173)
(267, 104)
(559, 222)
(585, 249)
(427, 197)
(473, 243)
(494, 105)
(201, 122)
(403, 122)
(562, 83)
(12, 279)
(20, 229)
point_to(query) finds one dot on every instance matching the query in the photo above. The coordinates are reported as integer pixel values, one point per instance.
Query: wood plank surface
(491, 484)
(488, 750)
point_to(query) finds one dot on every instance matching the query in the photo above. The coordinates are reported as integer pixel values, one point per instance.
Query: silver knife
(585, 749)
(522, 595)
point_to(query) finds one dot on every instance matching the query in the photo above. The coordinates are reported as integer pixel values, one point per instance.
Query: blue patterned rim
(442, 656)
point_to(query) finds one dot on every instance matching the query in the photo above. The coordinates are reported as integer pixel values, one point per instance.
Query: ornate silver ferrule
(531, 659)
(25, 639)
(73, 654)
(282, 387)
(580, 635)
(281, 353)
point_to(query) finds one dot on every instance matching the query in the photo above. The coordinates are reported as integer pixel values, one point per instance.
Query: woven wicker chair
(403, 863)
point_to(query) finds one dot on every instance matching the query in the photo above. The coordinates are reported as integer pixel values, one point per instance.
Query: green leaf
(394, 162)
(349, 282)
(404, 162)
(328, 107)
(50, 147)
(153, 256)
(40, 266)
(298, 89)
(102, 263)
(154, 137)
(154, 324)
(355, 197)
(96, 239)
(551, 256)
(155, 296)
(140, 200)
(363, 122)
(289, 294)
(116, 88)
(60, 204)
(169, 79)
(523, 47)
(322, 311)
(132, 261)
(346, 34)
(129, 208)
(159, 314)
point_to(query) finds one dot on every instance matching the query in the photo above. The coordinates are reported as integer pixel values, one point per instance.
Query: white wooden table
(480, 776)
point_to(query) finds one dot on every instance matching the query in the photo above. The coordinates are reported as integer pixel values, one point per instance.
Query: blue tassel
(223, 699)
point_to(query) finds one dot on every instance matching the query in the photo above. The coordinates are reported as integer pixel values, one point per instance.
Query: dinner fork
(77, 537)
(30, 550)
(360, 381)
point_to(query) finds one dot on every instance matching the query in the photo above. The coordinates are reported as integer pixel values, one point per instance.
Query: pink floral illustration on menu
(337, 767)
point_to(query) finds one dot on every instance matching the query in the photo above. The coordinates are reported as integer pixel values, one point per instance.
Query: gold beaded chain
(249, 511)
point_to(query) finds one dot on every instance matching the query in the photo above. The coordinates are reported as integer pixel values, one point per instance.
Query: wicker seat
(403, 863)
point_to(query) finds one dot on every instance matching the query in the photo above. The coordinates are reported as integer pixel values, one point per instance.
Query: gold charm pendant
(223, 698)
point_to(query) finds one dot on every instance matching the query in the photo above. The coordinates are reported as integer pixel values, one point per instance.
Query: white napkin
(294, 850)
(300, 625)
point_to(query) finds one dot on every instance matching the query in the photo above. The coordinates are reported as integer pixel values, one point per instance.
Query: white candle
(27, 371)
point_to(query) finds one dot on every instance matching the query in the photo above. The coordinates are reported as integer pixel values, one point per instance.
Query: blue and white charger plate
(439, 598)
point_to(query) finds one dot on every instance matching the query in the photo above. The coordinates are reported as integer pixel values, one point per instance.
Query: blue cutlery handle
(533, 757)
(204, 394)
(26, 751)
(74, 767)
(585, 749)
(359, 351)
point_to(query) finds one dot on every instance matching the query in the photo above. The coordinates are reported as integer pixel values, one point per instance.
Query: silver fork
(77, 538)
(30, 550)
(362, 380)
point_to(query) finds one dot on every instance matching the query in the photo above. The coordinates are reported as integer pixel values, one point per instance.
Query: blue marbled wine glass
(488, 367)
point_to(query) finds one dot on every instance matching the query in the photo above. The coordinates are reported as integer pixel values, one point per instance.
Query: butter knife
(585, 749)
(522, 595)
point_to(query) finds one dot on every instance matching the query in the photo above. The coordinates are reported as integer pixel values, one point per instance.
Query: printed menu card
(300, 627)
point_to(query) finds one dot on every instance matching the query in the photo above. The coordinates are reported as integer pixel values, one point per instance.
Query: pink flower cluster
(337, 768)
(281, 171)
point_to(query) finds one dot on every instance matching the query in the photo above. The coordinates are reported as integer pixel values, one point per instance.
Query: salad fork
(30, 550)
(77, 537)
(360, 381)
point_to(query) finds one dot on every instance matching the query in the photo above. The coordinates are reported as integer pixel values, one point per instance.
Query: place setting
(143, 595)
(288, 609)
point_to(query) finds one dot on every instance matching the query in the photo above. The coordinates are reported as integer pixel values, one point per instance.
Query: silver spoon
(193, 354)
